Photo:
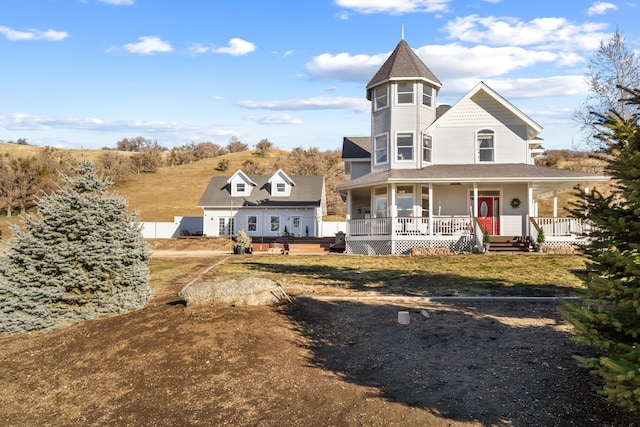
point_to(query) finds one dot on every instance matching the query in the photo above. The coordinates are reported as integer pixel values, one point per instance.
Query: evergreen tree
(81, 256)
(608, 314)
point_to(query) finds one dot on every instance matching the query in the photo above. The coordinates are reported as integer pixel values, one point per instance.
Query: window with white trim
(240, 187)
(381, 97)
(404, 146)
(486, 145)
(252, 223)
(382, 148)
(427, 148)
(405, 93)
(404, 200)
(280, 187)
(380, 203)
(274, 222)
(427, 95)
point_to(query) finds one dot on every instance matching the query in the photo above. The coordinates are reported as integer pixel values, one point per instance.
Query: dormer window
(381, 97)
(486, 146)
(427, 96)
(280, 187)
(405, 93)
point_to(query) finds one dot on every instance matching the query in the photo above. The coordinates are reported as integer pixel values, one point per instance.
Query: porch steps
(509, 244)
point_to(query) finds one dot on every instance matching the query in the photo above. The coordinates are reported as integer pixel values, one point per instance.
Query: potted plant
(307, 230)
(243, 241)
(486, 239)
(540, 240)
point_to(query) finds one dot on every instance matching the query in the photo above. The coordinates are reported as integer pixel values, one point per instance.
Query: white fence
(180, 226)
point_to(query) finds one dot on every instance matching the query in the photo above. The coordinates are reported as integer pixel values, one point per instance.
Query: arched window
(486, 145)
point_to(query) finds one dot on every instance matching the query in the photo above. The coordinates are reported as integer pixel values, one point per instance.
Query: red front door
(488, 214)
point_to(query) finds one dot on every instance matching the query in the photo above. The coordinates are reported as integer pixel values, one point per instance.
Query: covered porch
(394, 217)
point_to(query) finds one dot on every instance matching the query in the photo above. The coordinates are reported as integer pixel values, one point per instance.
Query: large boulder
(249, 291)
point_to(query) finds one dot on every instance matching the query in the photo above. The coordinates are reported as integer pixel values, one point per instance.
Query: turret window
(405, 93)
(381, 97)
(404, 144)
(382, 149)
(427, 96)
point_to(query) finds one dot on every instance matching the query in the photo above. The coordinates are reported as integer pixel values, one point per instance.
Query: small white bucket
(403, 317)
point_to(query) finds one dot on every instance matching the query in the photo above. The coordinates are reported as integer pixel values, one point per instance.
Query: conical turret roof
(403, 63)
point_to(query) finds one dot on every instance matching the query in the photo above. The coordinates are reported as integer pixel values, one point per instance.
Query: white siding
(307, 219)
(454, 136)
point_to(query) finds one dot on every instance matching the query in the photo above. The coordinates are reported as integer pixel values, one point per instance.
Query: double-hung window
(381, 97)
(486, 146)
(405, 93)
(252, 223)
(382, 148)
(427, 96)
(404, 142)
(427, 148)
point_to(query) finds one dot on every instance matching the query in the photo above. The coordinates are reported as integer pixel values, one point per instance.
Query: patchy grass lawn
(495, 274)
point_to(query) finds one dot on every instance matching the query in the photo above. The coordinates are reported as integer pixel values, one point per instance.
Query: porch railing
(404, 226)
(558, 227)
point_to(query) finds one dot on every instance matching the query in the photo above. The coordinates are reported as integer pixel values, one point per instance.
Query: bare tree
(612, 68)
(263, 147)
(236, 146)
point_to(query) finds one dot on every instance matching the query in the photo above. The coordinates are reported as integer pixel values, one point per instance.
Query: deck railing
(557, 227)
(406, 226)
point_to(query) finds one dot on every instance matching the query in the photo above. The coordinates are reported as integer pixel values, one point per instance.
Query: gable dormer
(240, 184)
(403, 104)
(280, 184)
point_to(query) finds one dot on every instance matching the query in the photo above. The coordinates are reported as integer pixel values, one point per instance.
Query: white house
(268, 206)
(438, 175)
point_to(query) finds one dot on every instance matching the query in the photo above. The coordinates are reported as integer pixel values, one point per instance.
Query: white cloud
(148, 45)
(275, 119)
(556, 86)
(237, 47)
(19, 121)
(317, 103)
(600, 8)
(118, 2)
(343, 66)
(453, 61)
(550, 32)
(394, 7)
(31, 34)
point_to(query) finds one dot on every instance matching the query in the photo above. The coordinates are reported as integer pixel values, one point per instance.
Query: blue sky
(87, 73)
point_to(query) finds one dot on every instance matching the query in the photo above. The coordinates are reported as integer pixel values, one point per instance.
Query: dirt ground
(309, 363)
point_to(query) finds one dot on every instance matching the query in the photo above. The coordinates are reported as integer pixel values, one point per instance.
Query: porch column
(475, 200)
(555, 203)
(348, 205)
(431, 210)
(530, 208)
(393, 209)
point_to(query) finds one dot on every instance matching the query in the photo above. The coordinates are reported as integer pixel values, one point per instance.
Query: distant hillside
(16, 150)
(172, 191)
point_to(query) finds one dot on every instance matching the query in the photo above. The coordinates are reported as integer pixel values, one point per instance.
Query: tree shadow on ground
(407, 282)
(501, 364)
